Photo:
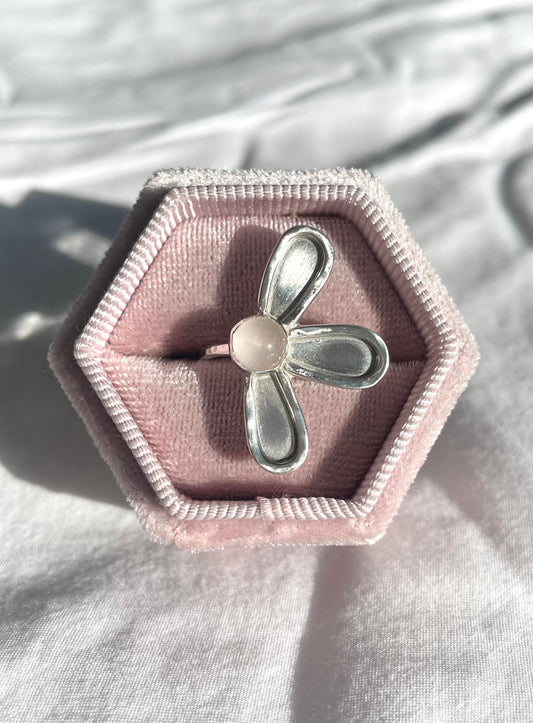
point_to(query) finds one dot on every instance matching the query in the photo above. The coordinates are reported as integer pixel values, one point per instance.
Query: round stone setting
(258, 344)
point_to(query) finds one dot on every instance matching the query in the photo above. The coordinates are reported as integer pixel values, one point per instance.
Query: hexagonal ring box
(185, 268)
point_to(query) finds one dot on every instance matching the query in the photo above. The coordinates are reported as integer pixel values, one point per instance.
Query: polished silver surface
(342, 355)
(276, 430)
(295, 273)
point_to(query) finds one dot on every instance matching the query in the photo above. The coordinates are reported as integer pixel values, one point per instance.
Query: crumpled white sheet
(432, 624)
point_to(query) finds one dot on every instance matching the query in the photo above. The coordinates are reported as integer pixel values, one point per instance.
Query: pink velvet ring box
(186, 266)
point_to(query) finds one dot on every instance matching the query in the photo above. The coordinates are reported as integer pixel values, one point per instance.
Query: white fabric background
(434, 623)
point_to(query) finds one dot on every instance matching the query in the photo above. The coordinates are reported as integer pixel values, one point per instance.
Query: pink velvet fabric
(194, 272)
(191, 411)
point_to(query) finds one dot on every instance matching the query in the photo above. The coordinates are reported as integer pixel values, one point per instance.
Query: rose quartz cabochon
(185, 268)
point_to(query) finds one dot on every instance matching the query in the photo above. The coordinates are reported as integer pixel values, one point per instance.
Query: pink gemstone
(258, 344)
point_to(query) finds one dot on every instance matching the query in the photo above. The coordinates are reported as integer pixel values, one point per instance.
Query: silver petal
(298, 268)
(341, 355)
(276, 430)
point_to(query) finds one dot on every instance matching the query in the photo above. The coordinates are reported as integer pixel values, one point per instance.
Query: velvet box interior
(187, 266)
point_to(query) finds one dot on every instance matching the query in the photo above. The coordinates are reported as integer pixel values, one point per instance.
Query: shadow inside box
(50, 244)
(236, 298)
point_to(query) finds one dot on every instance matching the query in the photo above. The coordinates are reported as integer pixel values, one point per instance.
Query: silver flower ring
(272, 347)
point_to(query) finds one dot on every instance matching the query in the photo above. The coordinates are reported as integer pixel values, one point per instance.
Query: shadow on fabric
(50, 245)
